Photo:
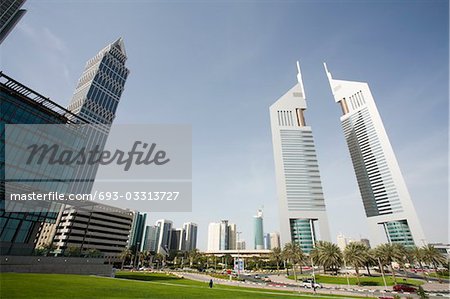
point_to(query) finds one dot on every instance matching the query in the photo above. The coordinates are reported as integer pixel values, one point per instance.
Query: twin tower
(388, 206)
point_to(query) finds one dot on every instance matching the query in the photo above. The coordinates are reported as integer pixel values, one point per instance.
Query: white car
(310, 284)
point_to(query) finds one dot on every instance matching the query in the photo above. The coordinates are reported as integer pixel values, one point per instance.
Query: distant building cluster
(162, 237)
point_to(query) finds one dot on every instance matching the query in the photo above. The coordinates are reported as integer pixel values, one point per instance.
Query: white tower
(300, 196)
(389, 209)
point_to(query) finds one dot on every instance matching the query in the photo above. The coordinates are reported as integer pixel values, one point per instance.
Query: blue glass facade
(302, 233)
(21, 105)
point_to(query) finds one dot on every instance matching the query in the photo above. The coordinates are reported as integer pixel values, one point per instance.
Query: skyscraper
(176, 239)
(299, 188)
(267, 241)
(137, 230)
(389, 209)
(274, 240)
(163, 236)
(96, 98)
(150, 240)
(101, 85)
(258, 230)
(214, 236)
(232, 233)
(190, 236)
(222, 236)
(10, 15)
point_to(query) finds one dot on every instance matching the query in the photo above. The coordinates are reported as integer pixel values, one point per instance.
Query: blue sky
(220, 65)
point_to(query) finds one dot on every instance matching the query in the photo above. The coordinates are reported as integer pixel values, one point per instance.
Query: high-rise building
(22, 105)
(222, 236)
(150, 240)
(137, 230)
(387, 203)
(96, 98)
(232, 233)
(190, 236)
(300, 196)
(267, 241)
(176, 239)
(164, 236)
(107, 231)
(213, 236)
(275, 240)
(10, 15)
(258, 230)
(100, 86)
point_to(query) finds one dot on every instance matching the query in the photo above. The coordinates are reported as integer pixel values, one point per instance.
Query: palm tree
(159, 258)
(327, 255)
(371, 260)
(276, 255)
(433, 257)
(387, 254)
(124, 255)
(193, 255)
(356, 255)
(144, 257)
(417, 255)
(294, 254)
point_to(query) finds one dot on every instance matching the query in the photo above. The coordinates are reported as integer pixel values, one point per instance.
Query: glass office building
(21, 105)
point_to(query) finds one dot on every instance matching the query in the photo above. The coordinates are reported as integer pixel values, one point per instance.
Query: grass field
(375, 281)
(20, 285)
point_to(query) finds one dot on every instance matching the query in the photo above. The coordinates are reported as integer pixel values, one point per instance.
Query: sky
(219, 65)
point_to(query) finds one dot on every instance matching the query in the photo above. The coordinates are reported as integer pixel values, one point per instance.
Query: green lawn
(374, 281)
(21, 285)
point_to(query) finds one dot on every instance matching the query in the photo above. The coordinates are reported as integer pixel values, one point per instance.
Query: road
(280, 282)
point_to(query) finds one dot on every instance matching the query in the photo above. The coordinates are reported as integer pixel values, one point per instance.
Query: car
(404, 288)
(257, 276)
(266, 279)
(309, 283)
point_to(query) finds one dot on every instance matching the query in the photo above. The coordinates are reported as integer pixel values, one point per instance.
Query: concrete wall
(57, 265)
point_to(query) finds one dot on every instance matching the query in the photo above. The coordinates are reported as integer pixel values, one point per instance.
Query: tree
(295, 255)
(371, 260)
(72, 251)
(227, 259)
(276, 255)
(327, 255)
(356, 255)
(194, 255)
(93, 253)
(387, 254)
(433, 257)
(124, 255)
